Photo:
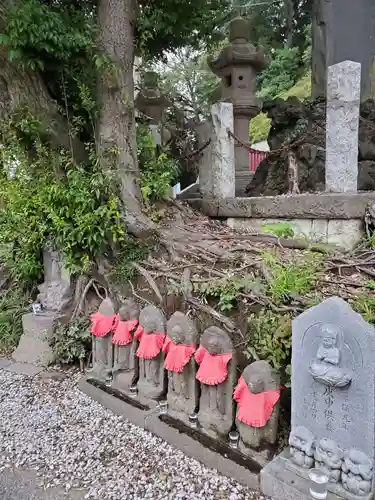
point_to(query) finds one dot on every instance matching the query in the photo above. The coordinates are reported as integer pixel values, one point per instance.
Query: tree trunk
(289, 11)
(117, 146)
(22, 88)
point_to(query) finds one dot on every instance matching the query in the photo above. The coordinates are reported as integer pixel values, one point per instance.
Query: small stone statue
(325, 369)
(151, 336)
(301, 442)
(257, 395)
(328, 458)
(217, 372)
(179, 348)
(103, 322)
(126, 366)
(357, 472)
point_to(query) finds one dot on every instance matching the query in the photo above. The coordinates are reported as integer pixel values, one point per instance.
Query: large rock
(305, 123)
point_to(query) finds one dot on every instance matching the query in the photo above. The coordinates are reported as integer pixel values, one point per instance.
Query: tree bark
(117, 146)
(289, 10)
(20, 88)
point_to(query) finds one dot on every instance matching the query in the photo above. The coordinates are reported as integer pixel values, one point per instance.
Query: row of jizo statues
(139, 350)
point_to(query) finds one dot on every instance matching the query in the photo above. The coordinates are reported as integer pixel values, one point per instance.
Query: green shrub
(271, 340)
(71, 343)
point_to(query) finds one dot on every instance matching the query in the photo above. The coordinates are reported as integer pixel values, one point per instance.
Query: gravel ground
(73, 442)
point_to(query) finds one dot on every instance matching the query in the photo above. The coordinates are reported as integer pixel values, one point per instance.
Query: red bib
(254, 409)
(213, 369)
(178, 355)
(102, 325)
(124, 332)
(150, 344)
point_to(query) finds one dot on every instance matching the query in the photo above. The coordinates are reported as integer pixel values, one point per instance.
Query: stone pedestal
(34, 346)
(343, 98)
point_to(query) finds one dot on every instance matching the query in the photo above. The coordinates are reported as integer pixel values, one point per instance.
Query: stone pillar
(343, 100)
(222, 151)
(343, 30)
(205, 170)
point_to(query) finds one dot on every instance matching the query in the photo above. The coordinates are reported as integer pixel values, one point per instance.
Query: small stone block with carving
(333, 402)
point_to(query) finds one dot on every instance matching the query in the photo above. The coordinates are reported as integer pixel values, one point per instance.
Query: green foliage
(134, 251)
(51, 200)
(13, 304)
(260, 127)
(226, 291)
(365, 305)
(293, 279)
(158, 170)
(271, 340)
(37, 33)
(71, 343)
(281, 229)
(282, 73)
(301, 89)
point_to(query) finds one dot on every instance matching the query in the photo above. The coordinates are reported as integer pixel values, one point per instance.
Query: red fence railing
(255, 158)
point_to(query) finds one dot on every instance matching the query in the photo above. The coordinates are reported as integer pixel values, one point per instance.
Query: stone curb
(22, 368)
(186, 444)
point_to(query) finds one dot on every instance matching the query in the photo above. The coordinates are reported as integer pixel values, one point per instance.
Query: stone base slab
(280, 482)
(300, 206)
(343, 233)
(174, 437)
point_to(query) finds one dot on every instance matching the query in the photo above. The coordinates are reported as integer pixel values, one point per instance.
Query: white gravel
(73, 442)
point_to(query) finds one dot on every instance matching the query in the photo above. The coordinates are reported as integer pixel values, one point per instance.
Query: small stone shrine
(179, 348)
(151, 336)
(55, 298)
(125, 362)
(103, 323)
(237, 65)
(333, 411)
(217, 375)
(257, 395)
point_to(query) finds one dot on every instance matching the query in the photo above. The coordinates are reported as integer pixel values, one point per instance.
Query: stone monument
(179, 348)
(237, 66)
(217, 375)
(333, 411)
(103, 323)
(126, 365)
(152, 381)
(257, 395)
(343, 98)
(55, 297)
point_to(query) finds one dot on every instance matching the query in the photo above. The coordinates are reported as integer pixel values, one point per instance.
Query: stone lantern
(237, 65)
(152, 103)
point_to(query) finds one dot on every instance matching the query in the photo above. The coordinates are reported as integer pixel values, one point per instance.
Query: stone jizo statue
(217, 371)
(103, 323)
(179, 348)
(126, 366)
(151, 336)
(257, 394)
